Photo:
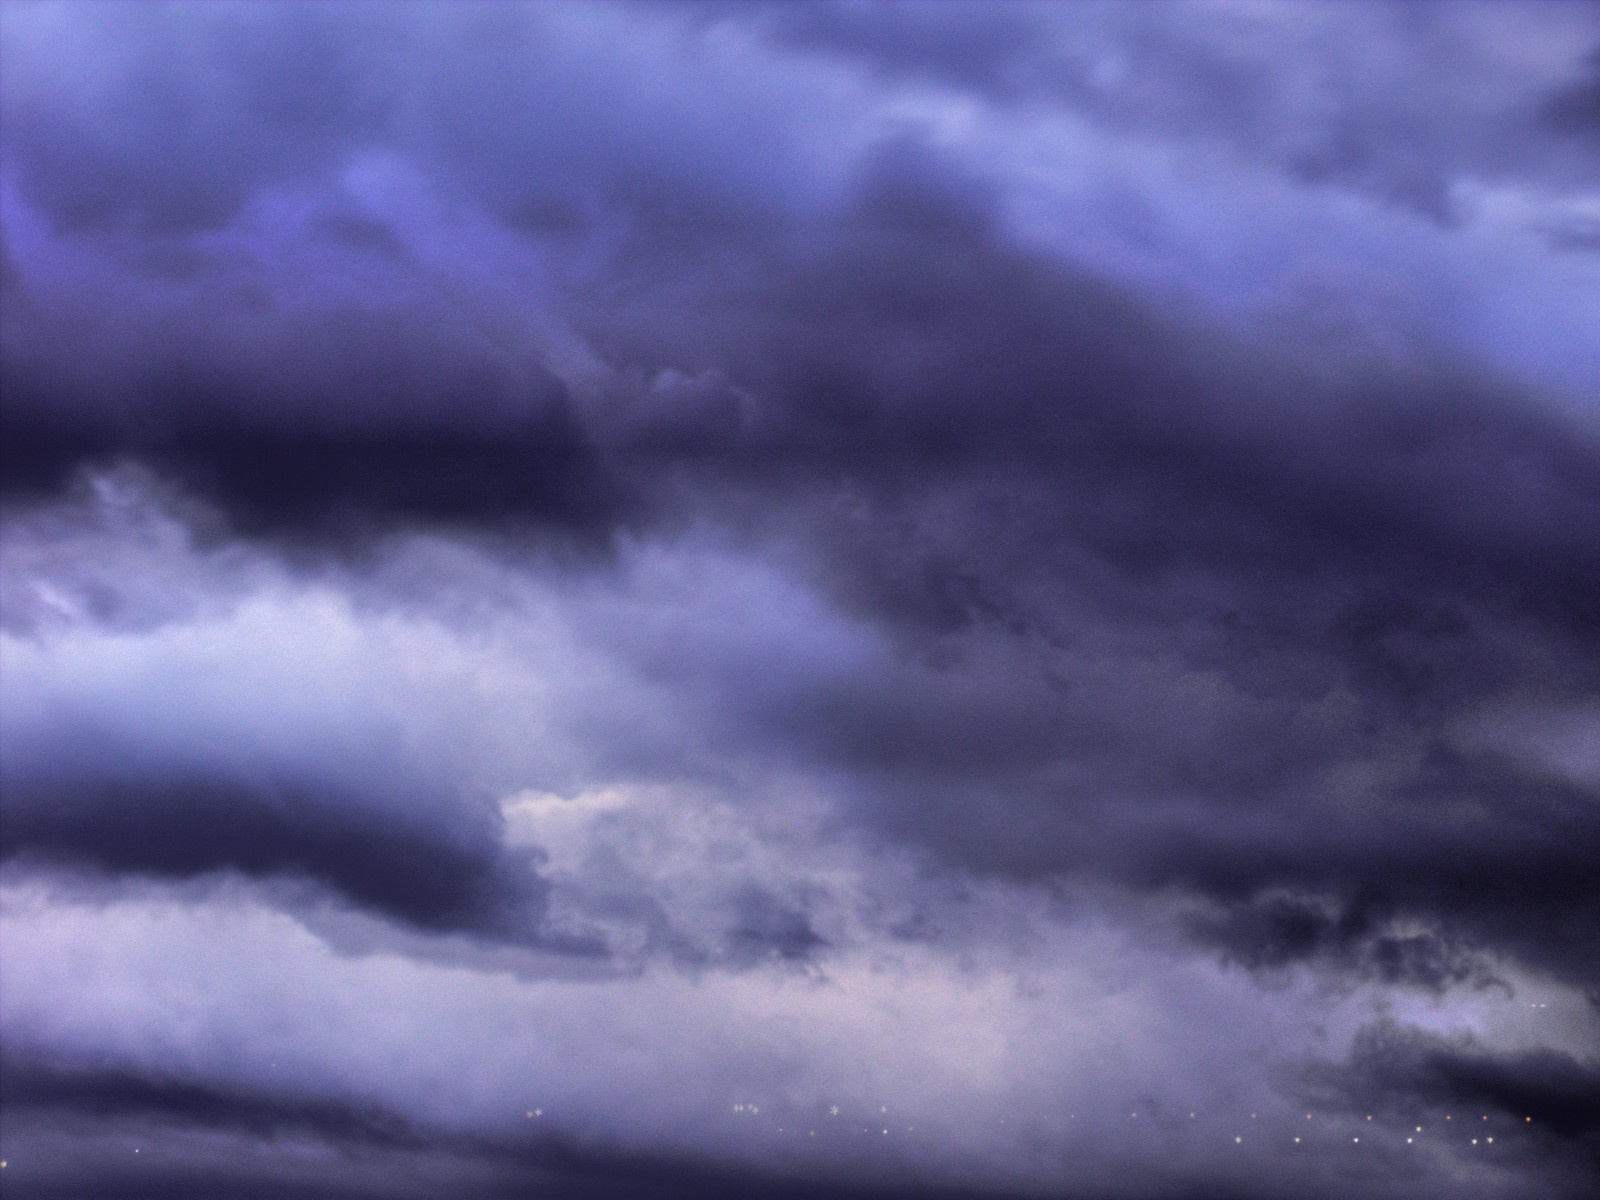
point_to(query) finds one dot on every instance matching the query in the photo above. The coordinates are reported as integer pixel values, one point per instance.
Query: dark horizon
(816, 600)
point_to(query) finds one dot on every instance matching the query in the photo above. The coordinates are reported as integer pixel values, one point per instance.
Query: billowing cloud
(587, 585)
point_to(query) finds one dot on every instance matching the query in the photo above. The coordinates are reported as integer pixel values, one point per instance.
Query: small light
(1237, 1140)
(1355, 1139)
(1297, 1140)
(1409, 1141)
(1474, 1141)
(1491, 1141)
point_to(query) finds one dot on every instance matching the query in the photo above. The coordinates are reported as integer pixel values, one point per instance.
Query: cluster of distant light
(751, 1110)
(1411, 1138)
(833, 1112)
(883, 1128)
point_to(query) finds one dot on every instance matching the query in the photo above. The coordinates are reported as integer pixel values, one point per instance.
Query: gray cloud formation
(765, 498)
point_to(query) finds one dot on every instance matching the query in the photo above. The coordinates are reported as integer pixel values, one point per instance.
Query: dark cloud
(1575, 109)
(134, 786)
(1356, 558)
(1577, 235)
(1413, 1074)
(767, 928)
(33, 1083)
(1352, 941)
(364, 233)
(908, 489)
(184, 827)
(338, 431)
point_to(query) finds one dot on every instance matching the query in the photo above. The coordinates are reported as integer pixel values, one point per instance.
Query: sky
(809, 600)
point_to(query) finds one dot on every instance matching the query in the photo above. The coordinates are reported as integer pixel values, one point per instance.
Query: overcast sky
(800, 599)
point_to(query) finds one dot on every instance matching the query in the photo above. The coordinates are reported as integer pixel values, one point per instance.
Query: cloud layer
(833, 600)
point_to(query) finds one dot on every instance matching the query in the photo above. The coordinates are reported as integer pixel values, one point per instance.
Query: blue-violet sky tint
(865, 600)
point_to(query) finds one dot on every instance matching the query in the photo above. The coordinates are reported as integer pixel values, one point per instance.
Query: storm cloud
(814, 599)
